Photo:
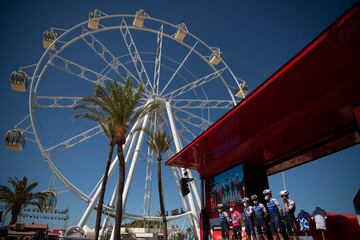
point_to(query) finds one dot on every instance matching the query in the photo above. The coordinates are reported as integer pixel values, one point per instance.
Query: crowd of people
(255, 217)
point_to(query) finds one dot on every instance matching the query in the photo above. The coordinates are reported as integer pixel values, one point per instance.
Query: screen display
(227, 188)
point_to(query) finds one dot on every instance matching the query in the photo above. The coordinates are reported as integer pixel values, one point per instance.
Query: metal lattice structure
(189, 78)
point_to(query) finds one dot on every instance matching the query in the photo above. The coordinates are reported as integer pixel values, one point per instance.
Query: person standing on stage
(224, 220)
(289, 215)
(236, 223)
(247, 221)
(260, 214)
(233, 189)
(276, 214)
(239, 187)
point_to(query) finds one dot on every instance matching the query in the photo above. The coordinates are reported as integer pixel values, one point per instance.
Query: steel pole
(178, 148)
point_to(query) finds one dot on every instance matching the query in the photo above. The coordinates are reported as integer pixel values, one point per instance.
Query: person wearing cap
(224, 220)
(289, 214)
(236, 223)
(275, 212)
(247, 221)
(260, 214)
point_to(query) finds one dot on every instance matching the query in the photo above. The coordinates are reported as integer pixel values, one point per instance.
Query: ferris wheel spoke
(179, 67)
(202, 125)
(71, 142)
(135, 56)
(184, 128)
(193, 119)
(62, 102)
(159, 42)
(202, 103)
(81, 72)
(113, 62)
(195, 84)
(55, 101)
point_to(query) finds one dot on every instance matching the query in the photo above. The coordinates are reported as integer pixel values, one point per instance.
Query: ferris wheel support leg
(134, 161)
(106, 220)
(194, 189)
(93, 201)
(186, 208)
(194, 213)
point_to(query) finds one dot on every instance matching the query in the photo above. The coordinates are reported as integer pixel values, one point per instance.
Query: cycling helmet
(254, 197)
(284, 193)
(267, 191)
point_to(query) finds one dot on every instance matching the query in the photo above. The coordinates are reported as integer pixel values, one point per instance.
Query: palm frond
(31, 187)
(158, 141)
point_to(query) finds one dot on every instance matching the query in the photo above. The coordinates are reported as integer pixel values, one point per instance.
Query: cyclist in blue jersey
(289, 215)
(224, 220)
(233, 189)
(224, 193)
(239, 188)
(247, 223)
(227, 189)
(260, 214)
(276, 214)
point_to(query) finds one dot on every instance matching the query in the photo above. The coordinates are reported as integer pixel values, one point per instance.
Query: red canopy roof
(304, 111)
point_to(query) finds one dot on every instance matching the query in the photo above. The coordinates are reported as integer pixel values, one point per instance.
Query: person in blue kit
(224, 220)
(289, 215)
(276, 214)
(260, 214)
(247, 218)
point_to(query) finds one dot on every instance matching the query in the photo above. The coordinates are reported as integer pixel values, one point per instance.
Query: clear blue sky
(257, 38)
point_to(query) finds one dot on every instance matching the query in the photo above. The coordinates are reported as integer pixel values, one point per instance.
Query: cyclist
(275, 212)
(260, 214)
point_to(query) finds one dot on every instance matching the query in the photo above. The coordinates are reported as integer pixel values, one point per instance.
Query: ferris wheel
(176, 68)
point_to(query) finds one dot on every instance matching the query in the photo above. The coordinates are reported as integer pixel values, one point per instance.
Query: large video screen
(227, 188)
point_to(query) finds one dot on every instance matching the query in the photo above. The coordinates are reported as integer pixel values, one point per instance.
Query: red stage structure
(308, 109)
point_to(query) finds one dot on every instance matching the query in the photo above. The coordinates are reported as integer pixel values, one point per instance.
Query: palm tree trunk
(161, 199)
(102, 191)
(119, 204)
(14, 215)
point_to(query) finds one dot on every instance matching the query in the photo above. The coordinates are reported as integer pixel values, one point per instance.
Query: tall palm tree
(160, 142)
(20, 196)
(113, 108)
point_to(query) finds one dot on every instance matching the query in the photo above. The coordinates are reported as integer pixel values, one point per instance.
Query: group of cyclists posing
(256, 216)
(227, 192)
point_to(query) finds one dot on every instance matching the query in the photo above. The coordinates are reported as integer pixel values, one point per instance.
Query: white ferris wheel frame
(44, 63)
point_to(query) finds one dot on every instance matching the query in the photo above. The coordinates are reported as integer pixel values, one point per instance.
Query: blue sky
(257, 37)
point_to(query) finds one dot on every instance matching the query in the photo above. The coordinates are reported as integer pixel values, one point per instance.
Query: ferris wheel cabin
(93, 21)
(181, 32)
(139, 18)
(18, 81)
(243, 90)
(15, 140)
(216, 56)
(49, 37)
(49, 203)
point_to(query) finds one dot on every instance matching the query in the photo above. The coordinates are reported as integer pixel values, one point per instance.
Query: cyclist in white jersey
(289, 215)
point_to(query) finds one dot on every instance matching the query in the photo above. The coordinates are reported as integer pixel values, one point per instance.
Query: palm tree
(160, 142)
(20, 196)
(113, 108)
